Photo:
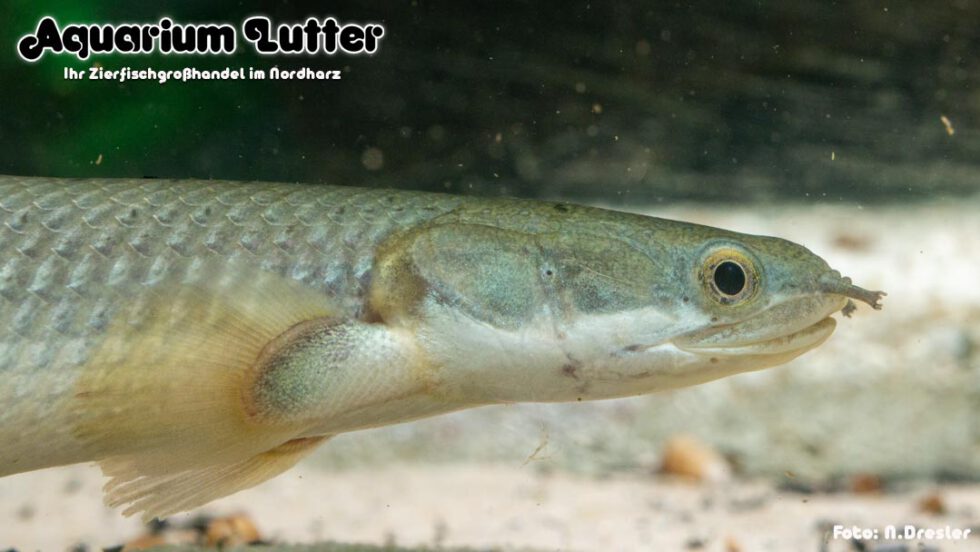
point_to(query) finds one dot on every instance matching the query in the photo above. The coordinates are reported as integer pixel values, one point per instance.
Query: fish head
(757, 302)
(605, 304)
(727, 303)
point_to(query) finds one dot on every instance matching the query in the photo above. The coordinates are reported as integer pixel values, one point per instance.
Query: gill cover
(507, 278)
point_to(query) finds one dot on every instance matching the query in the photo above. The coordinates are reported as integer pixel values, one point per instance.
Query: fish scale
(73, 252)
(66, 243)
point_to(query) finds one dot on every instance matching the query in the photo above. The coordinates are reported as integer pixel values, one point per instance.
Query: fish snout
(834, 283)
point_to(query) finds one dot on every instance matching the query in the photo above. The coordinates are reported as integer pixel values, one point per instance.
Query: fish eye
(729, 276)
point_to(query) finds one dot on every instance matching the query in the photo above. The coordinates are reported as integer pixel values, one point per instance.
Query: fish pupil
(729, 278)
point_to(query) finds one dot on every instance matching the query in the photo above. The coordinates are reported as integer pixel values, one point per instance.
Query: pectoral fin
(157, 496)
(162, 403)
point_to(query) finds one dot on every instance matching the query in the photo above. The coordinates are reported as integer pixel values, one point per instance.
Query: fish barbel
(196, 338)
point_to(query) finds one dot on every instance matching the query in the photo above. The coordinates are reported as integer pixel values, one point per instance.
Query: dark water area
(741, 101)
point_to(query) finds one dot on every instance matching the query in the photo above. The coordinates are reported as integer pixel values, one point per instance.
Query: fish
(198, 337)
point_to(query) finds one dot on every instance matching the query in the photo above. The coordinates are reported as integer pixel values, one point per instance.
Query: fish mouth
(798, 341)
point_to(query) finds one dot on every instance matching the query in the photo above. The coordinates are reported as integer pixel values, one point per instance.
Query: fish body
(198, 337)
(74, 254)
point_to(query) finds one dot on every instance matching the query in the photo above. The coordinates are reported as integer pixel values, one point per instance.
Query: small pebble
(690, 458)
(933, 504)
(866, 483)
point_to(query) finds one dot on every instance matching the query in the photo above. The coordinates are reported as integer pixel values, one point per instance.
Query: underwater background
(634, 102)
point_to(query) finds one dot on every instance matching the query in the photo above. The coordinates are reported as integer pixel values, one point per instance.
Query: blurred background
(849, 126)
(634, 102)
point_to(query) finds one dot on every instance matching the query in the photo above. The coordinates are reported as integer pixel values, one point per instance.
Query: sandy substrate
(506, 507)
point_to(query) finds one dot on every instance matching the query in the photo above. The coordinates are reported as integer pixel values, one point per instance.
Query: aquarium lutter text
(314, 36)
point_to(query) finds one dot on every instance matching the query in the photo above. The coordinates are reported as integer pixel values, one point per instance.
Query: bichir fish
(196, 338)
